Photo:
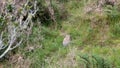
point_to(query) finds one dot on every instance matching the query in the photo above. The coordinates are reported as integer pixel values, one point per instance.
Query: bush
(94, 61)
(116, 30)
(113, 14)
(14, 25)
(50, 11)
(17, 21)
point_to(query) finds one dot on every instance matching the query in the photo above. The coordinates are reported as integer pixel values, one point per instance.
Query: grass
(88, 48)
(85, 44)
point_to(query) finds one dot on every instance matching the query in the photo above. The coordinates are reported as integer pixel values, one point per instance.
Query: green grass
(85, 43)
(88, 48)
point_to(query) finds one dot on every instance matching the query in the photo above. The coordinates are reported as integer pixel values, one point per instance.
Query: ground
(92, 45)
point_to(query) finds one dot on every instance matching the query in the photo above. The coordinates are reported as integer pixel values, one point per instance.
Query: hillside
(36, 31)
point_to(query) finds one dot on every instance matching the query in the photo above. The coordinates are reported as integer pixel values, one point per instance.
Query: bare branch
(14, 32)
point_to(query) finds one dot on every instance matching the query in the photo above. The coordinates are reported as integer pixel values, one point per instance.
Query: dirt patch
(1, 66)
(18, 61)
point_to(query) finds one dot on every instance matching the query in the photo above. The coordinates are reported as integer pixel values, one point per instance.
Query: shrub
(95, 61)
(15, 25)
(113, 18)
(116, 30)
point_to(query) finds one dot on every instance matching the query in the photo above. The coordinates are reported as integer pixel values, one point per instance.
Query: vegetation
(32, 32)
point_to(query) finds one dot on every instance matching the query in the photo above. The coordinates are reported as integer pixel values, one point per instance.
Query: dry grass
(70, 60)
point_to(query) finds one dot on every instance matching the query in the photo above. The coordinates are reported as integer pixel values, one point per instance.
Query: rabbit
(66, 40)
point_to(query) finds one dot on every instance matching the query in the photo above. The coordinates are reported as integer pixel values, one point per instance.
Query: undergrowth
(95, 36)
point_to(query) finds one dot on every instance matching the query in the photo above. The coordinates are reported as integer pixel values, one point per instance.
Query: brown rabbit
(66, 40)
